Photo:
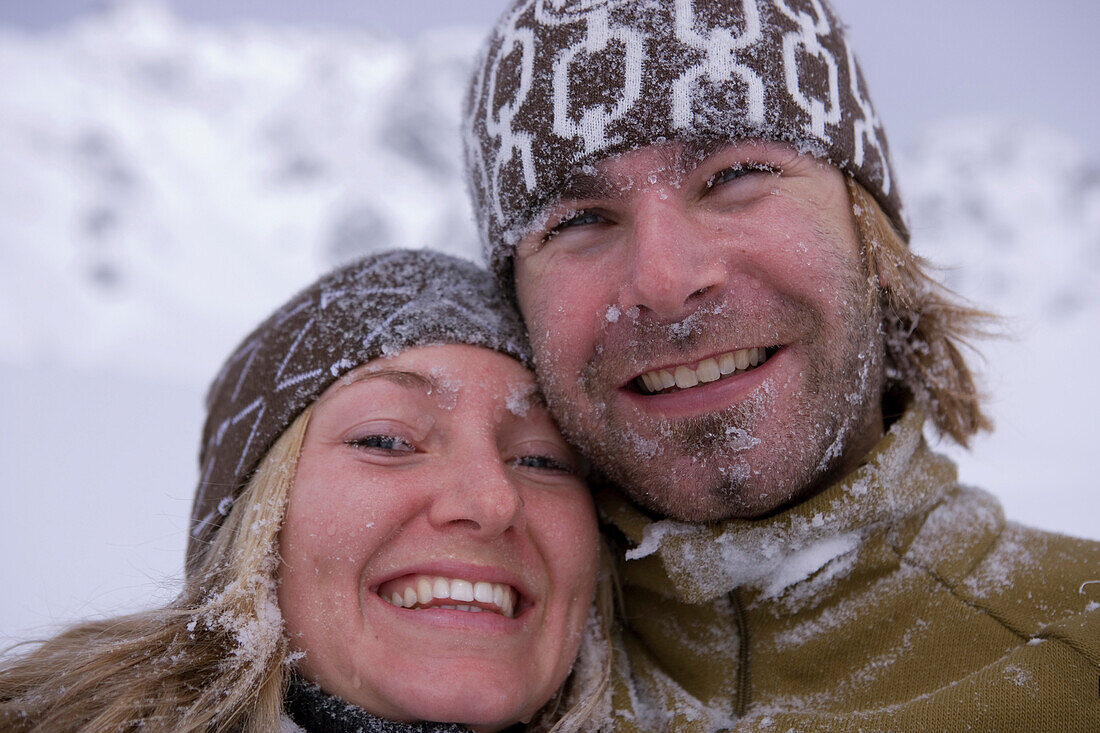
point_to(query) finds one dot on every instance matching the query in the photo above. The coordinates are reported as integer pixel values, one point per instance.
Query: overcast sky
(924, 61)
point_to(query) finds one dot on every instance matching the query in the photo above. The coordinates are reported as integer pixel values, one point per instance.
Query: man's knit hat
(563, 84)
(377, 306)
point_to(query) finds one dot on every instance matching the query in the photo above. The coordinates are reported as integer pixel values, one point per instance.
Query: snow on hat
(562, 84)
(376, 306)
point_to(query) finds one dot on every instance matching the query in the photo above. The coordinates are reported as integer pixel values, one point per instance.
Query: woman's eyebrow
(400, 377)
(586, 186)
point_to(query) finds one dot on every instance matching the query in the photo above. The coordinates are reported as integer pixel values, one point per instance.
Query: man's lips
(678, 377)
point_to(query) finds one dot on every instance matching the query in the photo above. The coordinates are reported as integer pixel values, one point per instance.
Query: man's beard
(758, 455)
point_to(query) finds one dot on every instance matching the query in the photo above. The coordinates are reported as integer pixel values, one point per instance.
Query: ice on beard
(740, 439)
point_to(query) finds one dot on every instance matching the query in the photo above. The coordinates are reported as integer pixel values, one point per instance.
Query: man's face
(733, 272)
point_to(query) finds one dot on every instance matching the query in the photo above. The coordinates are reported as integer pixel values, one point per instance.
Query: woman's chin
(480, 710)
(480, 703)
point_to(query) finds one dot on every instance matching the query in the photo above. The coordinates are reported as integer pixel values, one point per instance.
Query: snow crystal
(518, 400)
(654, 534)
(445, 389)
(740, 439)
(1092, 606)
(803, 563)
(763, 562)
(998, 569)
(1018, 675)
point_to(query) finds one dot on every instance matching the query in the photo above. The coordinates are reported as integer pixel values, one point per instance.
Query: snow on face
(419, 497)
(741, 274)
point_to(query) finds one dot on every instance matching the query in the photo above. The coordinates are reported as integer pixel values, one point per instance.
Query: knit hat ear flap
(377, 306)
(563, 84)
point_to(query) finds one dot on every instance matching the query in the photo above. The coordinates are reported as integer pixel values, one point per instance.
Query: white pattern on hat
(720, 46)
(594, 120)
(821, 112)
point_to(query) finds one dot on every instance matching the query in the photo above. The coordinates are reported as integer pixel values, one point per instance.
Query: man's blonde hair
(926, 327)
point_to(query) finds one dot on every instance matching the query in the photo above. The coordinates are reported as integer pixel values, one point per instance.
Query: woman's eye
(386, 443)
(543, 463)
(581, 218)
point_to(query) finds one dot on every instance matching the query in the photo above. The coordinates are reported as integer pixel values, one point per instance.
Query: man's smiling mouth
(684, 376)
(455, 594)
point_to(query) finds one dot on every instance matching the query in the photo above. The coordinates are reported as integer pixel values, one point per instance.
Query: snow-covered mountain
(164, 185)
(168, 184)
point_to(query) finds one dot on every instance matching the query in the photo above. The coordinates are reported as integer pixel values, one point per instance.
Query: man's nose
(673, 266)
(480, 497)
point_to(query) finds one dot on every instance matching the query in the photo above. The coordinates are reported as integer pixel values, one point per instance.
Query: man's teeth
(708, 370)
(426, 591)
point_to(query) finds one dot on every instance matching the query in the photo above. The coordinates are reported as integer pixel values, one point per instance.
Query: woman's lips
(422, 591)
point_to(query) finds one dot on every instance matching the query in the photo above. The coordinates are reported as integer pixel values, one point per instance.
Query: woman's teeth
(708, 370)
(431, 591)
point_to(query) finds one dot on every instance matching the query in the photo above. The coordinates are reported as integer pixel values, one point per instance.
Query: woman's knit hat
(564, 84)
(377, 306)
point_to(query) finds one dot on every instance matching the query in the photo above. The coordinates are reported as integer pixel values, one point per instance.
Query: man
(693, 203)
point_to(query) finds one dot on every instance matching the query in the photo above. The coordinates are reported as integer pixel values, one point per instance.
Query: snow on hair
(925, 326)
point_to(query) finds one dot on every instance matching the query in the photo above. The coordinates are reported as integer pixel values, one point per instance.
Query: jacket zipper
(742, 655)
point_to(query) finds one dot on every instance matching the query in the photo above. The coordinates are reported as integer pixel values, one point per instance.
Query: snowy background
(169, 176)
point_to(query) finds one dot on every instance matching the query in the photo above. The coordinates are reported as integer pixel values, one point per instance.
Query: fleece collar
(696, 563)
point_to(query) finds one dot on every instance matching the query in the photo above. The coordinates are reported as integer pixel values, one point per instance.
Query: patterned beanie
(563, 84)
(377, 306)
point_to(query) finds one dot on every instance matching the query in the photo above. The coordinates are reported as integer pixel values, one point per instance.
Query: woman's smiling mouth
(435, 591)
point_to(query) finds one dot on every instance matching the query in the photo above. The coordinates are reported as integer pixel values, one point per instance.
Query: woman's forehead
(449, 373)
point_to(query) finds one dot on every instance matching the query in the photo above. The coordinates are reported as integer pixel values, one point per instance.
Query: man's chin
(713, 496)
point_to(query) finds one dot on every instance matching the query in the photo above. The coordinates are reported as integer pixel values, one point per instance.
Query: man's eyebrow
(694, 152)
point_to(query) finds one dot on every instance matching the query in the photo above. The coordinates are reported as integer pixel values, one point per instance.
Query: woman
(388, 529)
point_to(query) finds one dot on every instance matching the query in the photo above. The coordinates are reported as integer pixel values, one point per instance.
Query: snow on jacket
(895, 600)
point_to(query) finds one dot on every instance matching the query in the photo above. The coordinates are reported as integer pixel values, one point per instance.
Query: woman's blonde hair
(216, 658)
(926, 327)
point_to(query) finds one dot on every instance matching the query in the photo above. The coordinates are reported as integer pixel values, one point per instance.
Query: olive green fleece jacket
(895, 600)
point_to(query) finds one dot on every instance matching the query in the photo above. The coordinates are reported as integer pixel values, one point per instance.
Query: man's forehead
(616, 175)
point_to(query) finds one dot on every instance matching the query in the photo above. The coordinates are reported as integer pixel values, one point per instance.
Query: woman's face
(439, 550)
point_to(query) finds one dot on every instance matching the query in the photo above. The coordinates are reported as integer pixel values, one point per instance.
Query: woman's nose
(480, 498)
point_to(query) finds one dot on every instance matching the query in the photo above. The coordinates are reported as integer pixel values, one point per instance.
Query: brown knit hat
(377, 306)
(562, 84)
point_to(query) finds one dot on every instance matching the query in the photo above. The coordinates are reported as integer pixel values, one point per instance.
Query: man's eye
(384, 443)
(543, 463)
(737, 171)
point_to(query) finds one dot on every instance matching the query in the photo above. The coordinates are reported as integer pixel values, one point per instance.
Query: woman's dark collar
(316, 711)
